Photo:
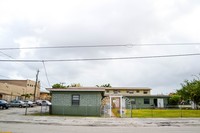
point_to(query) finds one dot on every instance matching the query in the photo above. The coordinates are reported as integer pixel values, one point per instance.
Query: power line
(102, 59)
(4, 76)
(6, 55)
(164, 44)
(11, 58)
(72, 46)
(46, 73)
(104, 46)
(18, 62)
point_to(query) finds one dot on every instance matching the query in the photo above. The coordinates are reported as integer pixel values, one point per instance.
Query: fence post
(131, 110)
(26, 108)
(41, 110)
(181, 111)
(63, 110)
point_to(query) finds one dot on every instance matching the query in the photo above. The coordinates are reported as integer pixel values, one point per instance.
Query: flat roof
(86, 89)
(157, 96)
(128, 88)
(97, 88)
(135, 96)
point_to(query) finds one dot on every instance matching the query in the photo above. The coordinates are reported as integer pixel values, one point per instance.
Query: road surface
(42, 128)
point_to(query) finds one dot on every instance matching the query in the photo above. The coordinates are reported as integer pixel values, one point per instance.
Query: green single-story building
(152, 101)
(76, 101)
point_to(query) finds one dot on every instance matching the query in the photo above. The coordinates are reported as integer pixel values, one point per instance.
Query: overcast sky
(39, 23)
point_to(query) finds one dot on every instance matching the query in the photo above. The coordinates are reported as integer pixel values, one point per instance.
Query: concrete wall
(90, 103)
(130, 92)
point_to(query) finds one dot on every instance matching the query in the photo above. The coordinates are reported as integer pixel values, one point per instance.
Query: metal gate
(116, 106)
(105, 107)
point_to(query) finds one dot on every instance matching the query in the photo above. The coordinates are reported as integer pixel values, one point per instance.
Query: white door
(160, 103)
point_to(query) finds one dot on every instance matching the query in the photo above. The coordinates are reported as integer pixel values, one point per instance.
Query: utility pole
(36, 84)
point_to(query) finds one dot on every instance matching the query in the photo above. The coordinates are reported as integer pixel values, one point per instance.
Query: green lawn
(162, 113)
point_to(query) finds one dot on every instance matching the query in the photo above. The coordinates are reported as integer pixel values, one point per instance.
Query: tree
(75, 85)
(174, 99)
(58, 85)
(26, 96)
(190, 91)
(105, 85)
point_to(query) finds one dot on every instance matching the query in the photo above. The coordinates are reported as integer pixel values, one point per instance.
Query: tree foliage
(190, 90)
(26, 95)
(174, 99)
(58, 85)
(105, 85)
(75, 85)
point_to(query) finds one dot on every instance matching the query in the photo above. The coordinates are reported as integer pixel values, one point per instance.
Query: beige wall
(10, 89)
(31, 87)
(15, 82)
(129, 91)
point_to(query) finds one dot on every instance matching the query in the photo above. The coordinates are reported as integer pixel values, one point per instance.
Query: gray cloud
(102, 22)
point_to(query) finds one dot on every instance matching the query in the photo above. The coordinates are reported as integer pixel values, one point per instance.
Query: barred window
(146, 100)
(116, 91)
(145, 92)
(75, 99)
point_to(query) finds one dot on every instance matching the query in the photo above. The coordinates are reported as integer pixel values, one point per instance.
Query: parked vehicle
(46, 103)
(43, 102)
(4, 104)
(39, 102)
(29, 103)
(17, 103)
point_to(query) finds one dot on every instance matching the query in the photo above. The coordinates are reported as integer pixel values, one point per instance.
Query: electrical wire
(103, 46)
(103, 59)
(6, 55)
(46, 73)
(4, 76)
(11, 58)
(16, 62)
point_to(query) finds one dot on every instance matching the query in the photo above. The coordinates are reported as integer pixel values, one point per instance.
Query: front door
(155, 102)
(160, 103)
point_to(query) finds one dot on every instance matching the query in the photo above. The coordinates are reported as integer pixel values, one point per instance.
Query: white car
(45, 103)
(29, 103)
(39, 102)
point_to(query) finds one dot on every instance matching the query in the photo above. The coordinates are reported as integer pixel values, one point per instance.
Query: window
(138, 91)
(145, 92)
(116, 91)
(132, 101)
(75, 99)
(107, 91)
(146, 101)
(130, 92)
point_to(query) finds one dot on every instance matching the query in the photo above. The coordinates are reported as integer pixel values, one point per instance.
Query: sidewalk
(95, 121)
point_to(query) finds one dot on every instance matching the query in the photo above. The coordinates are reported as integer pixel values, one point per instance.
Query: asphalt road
(34, 128)
(13, 120)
